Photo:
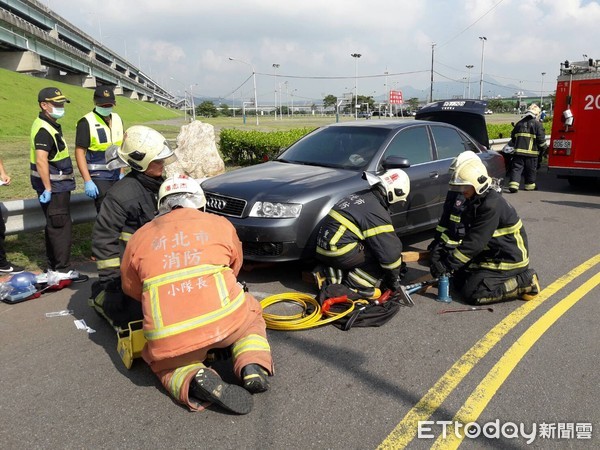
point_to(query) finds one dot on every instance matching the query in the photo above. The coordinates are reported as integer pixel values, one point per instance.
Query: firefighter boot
(255, 378)
(207, 385)
(531, 285)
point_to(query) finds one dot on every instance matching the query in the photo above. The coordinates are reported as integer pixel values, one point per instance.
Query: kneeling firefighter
(357, 241)
(491, 263)
(129, 204)
(182, 267)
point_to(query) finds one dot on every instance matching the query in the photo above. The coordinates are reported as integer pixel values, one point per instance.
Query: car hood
(468, 115)
(283, 182)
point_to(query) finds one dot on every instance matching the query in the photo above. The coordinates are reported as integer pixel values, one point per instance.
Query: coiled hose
(311, 315)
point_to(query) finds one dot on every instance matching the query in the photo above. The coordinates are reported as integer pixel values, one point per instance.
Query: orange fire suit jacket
(182, 266)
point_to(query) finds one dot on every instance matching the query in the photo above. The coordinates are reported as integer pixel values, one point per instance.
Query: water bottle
(444, 289)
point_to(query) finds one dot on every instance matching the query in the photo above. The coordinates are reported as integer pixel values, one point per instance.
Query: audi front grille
(225, 206)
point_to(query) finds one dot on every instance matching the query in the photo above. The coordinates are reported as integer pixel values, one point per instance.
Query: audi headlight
(276, 210)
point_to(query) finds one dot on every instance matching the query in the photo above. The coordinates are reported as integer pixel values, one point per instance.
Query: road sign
(396, 97)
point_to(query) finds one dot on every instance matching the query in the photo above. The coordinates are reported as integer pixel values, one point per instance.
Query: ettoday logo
(507, 430)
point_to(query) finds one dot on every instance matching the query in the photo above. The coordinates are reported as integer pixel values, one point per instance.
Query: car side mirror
(395, 162)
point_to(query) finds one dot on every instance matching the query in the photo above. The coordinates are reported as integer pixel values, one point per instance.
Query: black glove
(438, 269)
(392, 279)
(433, 244)
(437, 254)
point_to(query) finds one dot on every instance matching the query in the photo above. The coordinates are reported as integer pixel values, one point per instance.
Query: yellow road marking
(481, 396)
(406, 430)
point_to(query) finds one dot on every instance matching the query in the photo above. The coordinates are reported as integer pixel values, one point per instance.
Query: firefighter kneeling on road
(182, 267)
(357, 241)
(491, 263)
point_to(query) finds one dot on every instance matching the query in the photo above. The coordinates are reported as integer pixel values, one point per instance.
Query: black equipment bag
(371, 315)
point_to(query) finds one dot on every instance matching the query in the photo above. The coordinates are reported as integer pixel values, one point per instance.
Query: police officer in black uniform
(491, 263)
(96, 132)
(52, 177)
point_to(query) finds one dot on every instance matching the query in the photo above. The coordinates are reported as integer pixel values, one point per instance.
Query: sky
(186, 45)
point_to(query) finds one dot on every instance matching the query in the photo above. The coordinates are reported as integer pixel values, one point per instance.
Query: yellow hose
(304, 319)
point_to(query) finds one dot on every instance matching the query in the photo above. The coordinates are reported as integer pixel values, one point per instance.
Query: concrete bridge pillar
(27, 61)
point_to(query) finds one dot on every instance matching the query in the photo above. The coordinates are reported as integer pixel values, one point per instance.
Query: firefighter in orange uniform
(182, 266)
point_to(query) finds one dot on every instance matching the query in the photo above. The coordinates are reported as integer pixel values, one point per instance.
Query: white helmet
(142, 145)
(471, 173)
(180, 191)
(467, 155)
(395, 185)
(534, 111)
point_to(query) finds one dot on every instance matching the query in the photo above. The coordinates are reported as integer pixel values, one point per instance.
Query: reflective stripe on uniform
(502, 265)
(449, 241)
(347, 223)
(152, 285)
(97, 167)
(460, 256)
(455, 218)
(55, 176)
(394, 264)
(514, 230)
(108, 263)
(508, 230)
(529, 150)
(378, 230)
(250, 343)
(361, 278)
(337, 252)
(125, 236)
(179, 376)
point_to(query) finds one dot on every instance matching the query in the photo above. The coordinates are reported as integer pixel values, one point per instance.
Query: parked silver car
(277, 206)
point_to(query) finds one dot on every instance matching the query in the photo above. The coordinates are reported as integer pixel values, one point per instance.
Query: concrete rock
(197, 154)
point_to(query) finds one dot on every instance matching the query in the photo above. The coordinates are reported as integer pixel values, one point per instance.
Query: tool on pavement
(472, 308)
(406, 290)
(444, 289)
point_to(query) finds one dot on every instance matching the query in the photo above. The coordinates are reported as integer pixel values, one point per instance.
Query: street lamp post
(192, 101)
(482, 39)
(355, 56)
(469, 66)
(542, 92)
(276, 66)
(233, 102)
(254, 81)
(431, 85)
(185, 105)
(292, 95)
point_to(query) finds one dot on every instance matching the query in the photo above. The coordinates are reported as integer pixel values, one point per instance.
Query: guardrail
(27, 215)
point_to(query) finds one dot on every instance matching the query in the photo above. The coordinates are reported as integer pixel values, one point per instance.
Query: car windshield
(340, 147)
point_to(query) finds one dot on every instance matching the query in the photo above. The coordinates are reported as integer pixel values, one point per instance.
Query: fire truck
(574, 151)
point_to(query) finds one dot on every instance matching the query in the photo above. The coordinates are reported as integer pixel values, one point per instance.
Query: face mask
(104, 112)
(57, 113)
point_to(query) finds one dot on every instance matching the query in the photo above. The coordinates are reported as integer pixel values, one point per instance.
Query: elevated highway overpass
(35, 40)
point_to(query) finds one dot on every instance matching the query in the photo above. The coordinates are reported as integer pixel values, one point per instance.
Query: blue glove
(45, 197)
(121, 175)
(91, 190)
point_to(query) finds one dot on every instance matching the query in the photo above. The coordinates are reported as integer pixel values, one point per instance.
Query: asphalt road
(531, 363)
